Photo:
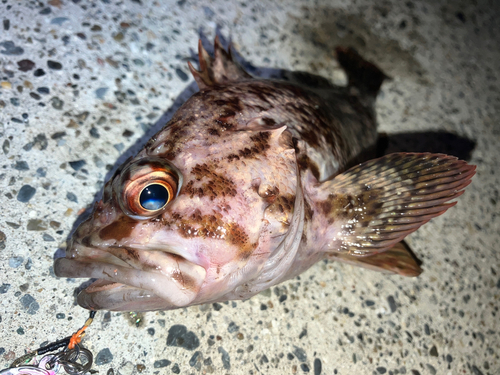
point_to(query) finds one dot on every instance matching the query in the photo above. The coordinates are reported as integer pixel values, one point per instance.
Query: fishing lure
(72, 357)
(40, 369)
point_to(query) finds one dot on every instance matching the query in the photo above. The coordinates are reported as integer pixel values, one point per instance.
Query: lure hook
(75, 359)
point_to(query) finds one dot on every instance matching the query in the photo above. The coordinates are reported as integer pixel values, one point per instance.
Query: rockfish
(247, 186)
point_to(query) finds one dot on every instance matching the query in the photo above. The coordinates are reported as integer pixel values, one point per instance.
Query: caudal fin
(364, 75)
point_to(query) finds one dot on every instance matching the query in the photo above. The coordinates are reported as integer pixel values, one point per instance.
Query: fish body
(246, 186)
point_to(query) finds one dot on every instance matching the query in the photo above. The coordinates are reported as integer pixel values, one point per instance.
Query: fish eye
(154, 197)
(146, 187)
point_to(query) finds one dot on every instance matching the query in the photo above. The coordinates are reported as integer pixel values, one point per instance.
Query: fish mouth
(130, 279)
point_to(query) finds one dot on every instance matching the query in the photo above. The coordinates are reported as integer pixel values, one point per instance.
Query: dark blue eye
(153, 197)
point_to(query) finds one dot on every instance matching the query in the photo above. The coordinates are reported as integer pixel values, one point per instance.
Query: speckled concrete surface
(83, 82)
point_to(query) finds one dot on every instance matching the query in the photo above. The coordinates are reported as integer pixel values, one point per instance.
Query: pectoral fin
(374, 205)
(398, 259)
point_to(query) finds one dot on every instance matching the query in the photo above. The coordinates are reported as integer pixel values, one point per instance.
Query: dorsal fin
(218, 70)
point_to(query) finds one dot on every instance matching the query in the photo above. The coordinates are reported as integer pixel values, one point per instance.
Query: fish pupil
(154, 197)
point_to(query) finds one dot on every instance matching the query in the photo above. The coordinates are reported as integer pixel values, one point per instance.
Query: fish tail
(362, 74)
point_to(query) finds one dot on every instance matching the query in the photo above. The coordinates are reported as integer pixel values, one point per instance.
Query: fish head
(188, 220)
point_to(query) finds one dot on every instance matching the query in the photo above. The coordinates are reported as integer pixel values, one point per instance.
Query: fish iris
(153, 197)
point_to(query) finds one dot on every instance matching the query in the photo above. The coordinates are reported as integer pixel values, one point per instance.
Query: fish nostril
(86, 241)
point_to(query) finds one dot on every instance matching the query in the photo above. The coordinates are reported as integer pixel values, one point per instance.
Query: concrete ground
(83, 82)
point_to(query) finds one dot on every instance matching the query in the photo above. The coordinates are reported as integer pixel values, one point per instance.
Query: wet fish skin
(253, 175)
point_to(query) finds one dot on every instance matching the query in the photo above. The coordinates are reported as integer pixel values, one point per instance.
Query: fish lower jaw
(108, 295)
(123, 288)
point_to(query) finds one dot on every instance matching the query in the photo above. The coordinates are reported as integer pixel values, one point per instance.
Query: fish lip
(81, 244)
(113, 296)
(169, 282)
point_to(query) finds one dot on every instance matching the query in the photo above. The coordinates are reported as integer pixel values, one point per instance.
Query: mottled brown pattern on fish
(224, 123)
(228, 107)
(285, 202)
(325, 207)
(229, 103)
(232, 157)
(208, 183)
(282, 208)
(132, 253)
(268, 121)
(132, 258)
(334, 207)
(303, 239)
(238, 237)
(118, 230)
(349, 207)
(270, 194)
(150, 266)
(231, 107)
(224, 207)
(213, 226)
(214, 132)
(222, 107)
(306, 114)
(172, 145)
(305, 163)
(265, 94)
(260, 145)
(308, 211)
(183, 279)
(180, 277)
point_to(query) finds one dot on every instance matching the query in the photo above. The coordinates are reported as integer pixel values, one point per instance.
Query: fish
(250, 183)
